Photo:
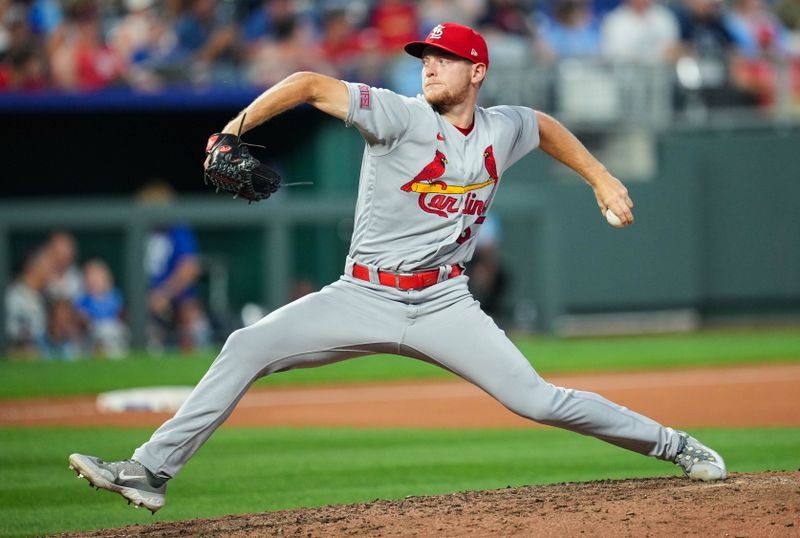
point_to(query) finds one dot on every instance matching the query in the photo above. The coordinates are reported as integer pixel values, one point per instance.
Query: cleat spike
(80, 475)
(71, 468)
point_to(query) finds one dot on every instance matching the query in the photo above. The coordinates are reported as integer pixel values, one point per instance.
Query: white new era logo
(474, 52)
(437, 32)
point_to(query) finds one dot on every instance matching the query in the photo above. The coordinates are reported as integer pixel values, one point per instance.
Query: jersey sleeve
(524, 131)
(381, 116)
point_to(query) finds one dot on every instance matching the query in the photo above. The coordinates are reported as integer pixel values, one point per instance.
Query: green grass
(548, 355)
(253, 470)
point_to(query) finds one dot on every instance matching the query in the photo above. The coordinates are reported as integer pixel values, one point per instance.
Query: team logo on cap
(437, 32)
(474, 52)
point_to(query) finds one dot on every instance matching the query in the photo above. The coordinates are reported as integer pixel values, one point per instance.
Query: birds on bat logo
(439, 198)
(489, 162)
(433, 170)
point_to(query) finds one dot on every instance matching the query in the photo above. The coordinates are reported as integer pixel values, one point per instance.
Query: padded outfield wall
(717, 225)
(717, 220)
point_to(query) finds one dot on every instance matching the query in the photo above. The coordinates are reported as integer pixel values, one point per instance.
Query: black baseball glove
(231, 168)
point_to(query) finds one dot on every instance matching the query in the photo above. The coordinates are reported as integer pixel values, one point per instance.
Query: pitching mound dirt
(752, 505)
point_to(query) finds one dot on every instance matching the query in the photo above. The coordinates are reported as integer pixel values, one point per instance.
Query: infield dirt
(741, 396)
(746, 505)
(751, 505)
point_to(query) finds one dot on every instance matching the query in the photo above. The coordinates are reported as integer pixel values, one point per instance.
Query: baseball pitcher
(431, 167)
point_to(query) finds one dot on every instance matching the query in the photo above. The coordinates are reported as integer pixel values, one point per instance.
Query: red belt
(405, 281)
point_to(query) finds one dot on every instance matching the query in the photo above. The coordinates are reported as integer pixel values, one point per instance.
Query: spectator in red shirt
(84, 61)
(350, 52)
(396, 22)
(341, 44)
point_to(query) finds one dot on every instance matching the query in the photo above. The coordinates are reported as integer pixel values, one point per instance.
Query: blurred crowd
(58, 309)
(86, 45)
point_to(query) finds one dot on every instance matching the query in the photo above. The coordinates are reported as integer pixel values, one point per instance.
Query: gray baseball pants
(441, 324)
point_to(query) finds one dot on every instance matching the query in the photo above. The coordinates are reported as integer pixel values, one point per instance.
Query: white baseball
(613, 219)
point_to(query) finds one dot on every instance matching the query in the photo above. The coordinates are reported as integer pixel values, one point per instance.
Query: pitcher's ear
(479, 72)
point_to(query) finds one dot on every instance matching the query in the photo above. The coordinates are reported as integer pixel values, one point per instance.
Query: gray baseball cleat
(128, 478)
(698, 461)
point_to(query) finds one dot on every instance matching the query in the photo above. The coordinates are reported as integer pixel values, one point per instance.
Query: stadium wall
(716, 209)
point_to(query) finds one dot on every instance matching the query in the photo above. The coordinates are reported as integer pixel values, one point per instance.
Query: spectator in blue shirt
(101, 307)
(205, 36)
(703, 31)
(173, 268)
(572, 32)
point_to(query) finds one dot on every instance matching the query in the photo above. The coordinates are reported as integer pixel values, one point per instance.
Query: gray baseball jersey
(425, 188)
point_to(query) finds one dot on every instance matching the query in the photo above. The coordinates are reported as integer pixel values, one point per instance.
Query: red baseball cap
(457, 39)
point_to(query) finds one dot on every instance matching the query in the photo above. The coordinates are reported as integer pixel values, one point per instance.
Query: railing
(599, 94)
(590, 92)
(276, 224)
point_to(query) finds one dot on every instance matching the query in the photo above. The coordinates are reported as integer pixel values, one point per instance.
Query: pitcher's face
(446, 78)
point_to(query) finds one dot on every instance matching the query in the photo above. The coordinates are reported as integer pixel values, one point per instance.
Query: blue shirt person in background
(102, 308)
(572, 32)
(172, 264)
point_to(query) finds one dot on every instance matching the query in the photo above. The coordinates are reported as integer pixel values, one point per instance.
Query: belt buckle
(397, 280)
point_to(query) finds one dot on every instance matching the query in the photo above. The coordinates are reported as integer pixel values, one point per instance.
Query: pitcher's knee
(248, 345)
(534, 410)
(537, 402)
